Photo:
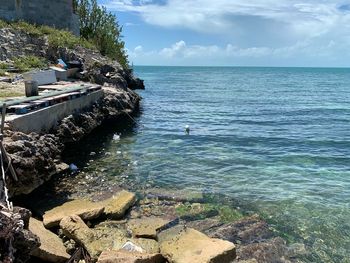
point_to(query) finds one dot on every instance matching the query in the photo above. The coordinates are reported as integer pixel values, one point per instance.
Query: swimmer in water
(187, 129)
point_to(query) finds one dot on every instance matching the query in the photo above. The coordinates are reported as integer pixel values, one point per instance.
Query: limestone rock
(103, 237)
(146, 227)
(85, 209)
(179, 245)
(51, 248)
(148, 245)
(129, 257)
(116, 206)
(75, 228)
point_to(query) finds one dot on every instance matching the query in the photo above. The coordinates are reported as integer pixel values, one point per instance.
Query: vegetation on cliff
(99, 31)
(101, 28)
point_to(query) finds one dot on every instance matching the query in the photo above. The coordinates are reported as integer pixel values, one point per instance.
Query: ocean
(276, 140)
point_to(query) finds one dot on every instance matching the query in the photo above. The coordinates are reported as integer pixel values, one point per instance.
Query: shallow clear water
(275, 139)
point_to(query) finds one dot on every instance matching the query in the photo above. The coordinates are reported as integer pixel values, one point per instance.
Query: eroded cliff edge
(36, 156)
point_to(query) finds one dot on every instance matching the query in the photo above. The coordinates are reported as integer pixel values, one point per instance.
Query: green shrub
(27, 63)
(3, 24)
(101, 27)
(3, 65)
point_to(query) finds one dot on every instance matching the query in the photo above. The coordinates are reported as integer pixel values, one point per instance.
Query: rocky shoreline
(155, 227)
(152, 226)
(36, 157)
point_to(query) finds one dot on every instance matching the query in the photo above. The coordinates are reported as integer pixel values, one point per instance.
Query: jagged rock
(25, 215)
(146, 227)
(16, 242)
(51, 248)
(183, 245)
(129, 257)
(116, 206)
(85, 209)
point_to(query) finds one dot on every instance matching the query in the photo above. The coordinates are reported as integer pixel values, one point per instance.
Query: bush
(101, 27)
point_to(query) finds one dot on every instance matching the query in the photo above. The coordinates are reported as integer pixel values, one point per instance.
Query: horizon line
(222, 66)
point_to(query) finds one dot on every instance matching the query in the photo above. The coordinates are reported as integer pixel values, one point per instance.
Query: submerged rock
(85, 209)
(183, 245)
(273, 250)
(244, 231)
(51, 248)
(255, 240)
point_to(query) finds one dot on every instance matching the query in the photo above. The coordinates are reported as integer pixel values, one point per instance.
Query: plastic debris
(73, 167)
(131, 247)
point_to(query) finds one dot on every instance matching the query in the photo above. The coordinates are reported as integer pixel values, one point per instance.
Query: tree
(101, 27)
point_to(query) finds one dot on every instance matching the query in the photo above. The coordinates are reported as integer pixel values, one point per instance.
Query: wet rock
(207, 225)
(273, 250)
(85, 209)
(116, 206)
(51, 248)
(182, 245)
(174, 195)
(245, 231)
(129, 257)
(146, 227)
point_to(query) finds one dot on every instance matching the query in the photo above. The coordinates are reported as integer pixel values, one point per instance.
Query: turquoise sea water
(277, 140)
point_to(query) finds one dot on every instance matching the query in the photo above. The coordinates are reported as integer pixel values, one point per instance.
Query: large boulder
(116, 206)
(129, 257)
(85, 209)
(51, 248)
(183, 245)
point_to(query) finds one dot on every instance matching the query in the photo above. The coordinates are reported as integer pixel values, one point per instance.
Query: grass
(9, 94)
(27, 63)
(3, 65)
(55, 37)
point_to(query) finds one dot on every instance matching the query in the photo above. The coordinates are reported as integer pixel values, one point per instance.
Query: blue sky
(235, 32)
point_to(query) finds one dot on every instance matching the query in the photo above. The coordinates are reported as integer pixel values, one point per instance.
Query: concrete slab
(41, 77)
(61, 74)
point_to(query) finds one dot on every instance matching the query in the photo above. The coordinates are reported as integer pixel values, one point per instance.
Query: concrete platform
(47, 118)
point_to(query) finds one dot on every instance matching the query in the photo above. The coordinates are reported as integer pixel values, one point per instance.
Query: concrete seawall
(46, 119)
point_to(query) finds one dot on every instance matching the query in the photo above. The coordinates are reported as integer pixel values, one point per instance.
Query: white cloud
(182, 54)
(312, 17)
(269, 29)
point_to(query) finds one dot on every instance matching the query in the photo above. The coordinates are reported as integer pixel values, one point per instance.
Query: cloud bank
(251, 28)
